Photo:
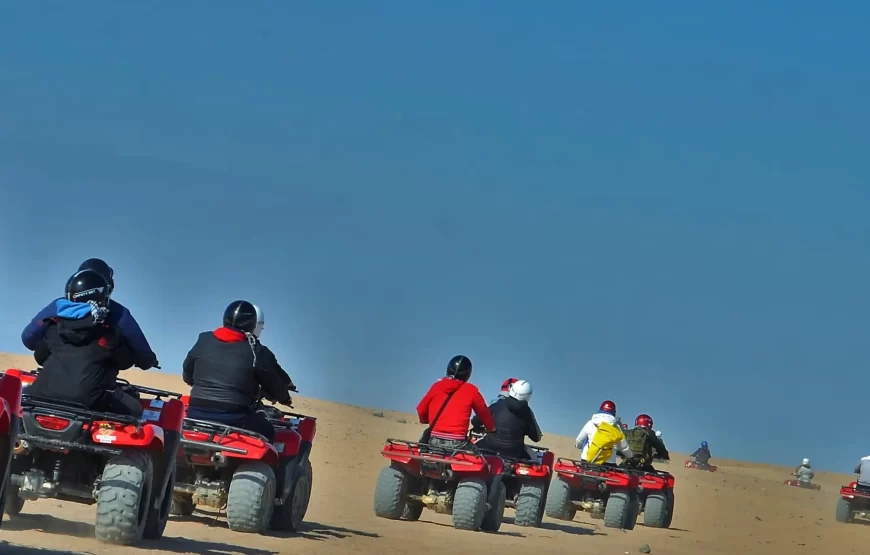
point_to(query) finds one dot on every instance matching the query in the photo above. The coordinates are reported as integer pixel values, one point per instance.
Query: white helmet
(805, 462)
(261, 322)
(658, 433)
(521, 390)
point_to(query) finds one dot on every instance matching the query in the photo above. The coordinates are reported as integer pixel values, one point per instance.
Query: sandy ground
(744, 508)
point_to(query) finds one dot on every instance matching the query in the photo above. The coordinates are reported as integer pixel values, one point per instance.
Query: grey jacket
(804, 473)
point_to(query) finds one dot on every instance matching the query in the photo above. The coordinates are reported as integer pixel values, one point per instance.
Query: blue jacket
(119, 316)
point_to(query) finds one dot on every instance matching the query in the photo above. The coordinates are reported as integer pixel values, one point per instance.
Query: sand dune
(744, 508)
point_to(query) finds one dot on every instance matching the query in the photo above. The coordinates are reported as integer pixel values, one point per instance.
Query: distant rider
(702, 454)
(863, 472)
(228, 367)
(602, 437)
(119, 317)
(644, 444)
(805, 472)
(81, 352)
(458, 399)
(514, 420)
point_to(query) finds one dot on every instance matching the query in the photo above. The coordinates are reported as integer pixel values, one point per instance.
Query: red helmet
(644, 421)
(506, 385)
(609, 407)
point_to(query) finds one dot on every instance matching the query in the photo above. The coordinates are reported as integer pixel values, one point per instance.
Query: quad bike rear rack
(592, 472)
(216, 432)
(72, 412)
(432, 454)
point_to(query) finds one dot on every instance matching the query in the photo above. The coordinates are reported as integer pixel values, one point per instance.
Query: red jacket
(454, 421)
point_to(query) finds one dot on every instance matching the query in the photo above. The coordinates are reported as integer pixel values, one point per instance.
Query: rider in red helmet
(644, 444)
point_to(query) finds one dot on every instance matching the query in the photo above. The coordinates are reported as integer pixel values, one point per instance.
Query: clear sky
(662, 203)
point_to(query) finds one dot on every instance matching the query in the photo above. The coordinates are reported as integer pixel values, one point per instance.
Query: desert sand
(744, 508)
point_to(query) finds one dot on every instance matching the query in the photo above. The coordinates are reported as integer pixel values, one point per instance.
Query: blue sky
(660, 203)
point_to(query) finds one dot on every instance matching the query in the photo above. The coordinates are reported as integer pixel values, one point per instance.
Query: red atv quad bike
(854, 503)
(803, 485)
(261, 485)
(656, 495)
(605, 491)
(458, 482)
(10, 405)
(525, 484)
(691, 463)
(124, 465)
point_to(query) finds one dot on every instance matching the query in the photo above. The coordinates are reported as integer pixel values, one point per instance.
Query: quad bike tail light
(52, 422)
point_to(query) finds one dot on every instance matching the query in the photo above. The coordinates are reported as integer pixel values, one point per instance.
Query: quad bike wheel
(495, 510)
(13, 504)
(251, 498)
(391, 493)
(656, 511)
(123, 498)
(469, 504)
(530, 504)
(618, 510)
(159, 516)
(558, 504)
(670, 509)
(289, 516)
(844, 510)
(182, 505)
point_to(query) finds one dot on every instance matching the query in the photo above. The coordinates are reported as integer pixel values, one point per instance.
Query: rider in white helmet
(805, 472)
(514, 421)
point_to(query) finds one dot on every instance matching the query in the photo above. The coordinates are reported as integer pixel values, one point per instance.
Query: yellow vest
(601, 445)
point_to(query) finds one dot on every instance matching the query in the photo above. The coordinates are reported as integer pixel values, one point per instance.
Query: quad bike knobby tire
(14, 504)
(391, 493)
(182, 505)
(123, 498)
(251, 498)
(558, 504)
(495, 512)
(618, 510)
(670, 509)
(844, 510)
(530, 504)
(289, 516)
(159, 516)
(656, 511)
(469, 504)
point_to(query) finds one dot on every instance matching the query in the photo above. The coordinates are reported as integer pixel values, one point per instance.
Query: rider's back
(80, 360)
(514, 421)
(226, 372)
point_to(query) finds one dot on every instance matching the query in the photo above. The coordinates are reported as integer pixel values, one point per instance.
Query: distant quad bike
(526, 483)
(803, 485)
(854, 503)
(123, 464)
(262, 486)
(692, 463)
(605, 491)
(10, 405)
(458, 482)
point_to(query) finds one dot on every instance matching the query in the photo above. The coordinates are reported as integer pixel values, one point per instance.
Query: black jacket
(514, 420)
(226, 372)
(80, 361)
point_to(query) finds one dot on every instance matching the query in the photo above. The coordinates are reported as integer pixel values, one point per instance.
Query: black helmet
(459, 367)
(241, 315)
(99, 265)
(88, 285)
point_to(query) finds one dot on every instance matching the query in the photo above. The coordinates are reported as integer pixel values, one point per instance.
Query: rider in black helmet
(118, 316)
(226, 369)
(81, 352)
